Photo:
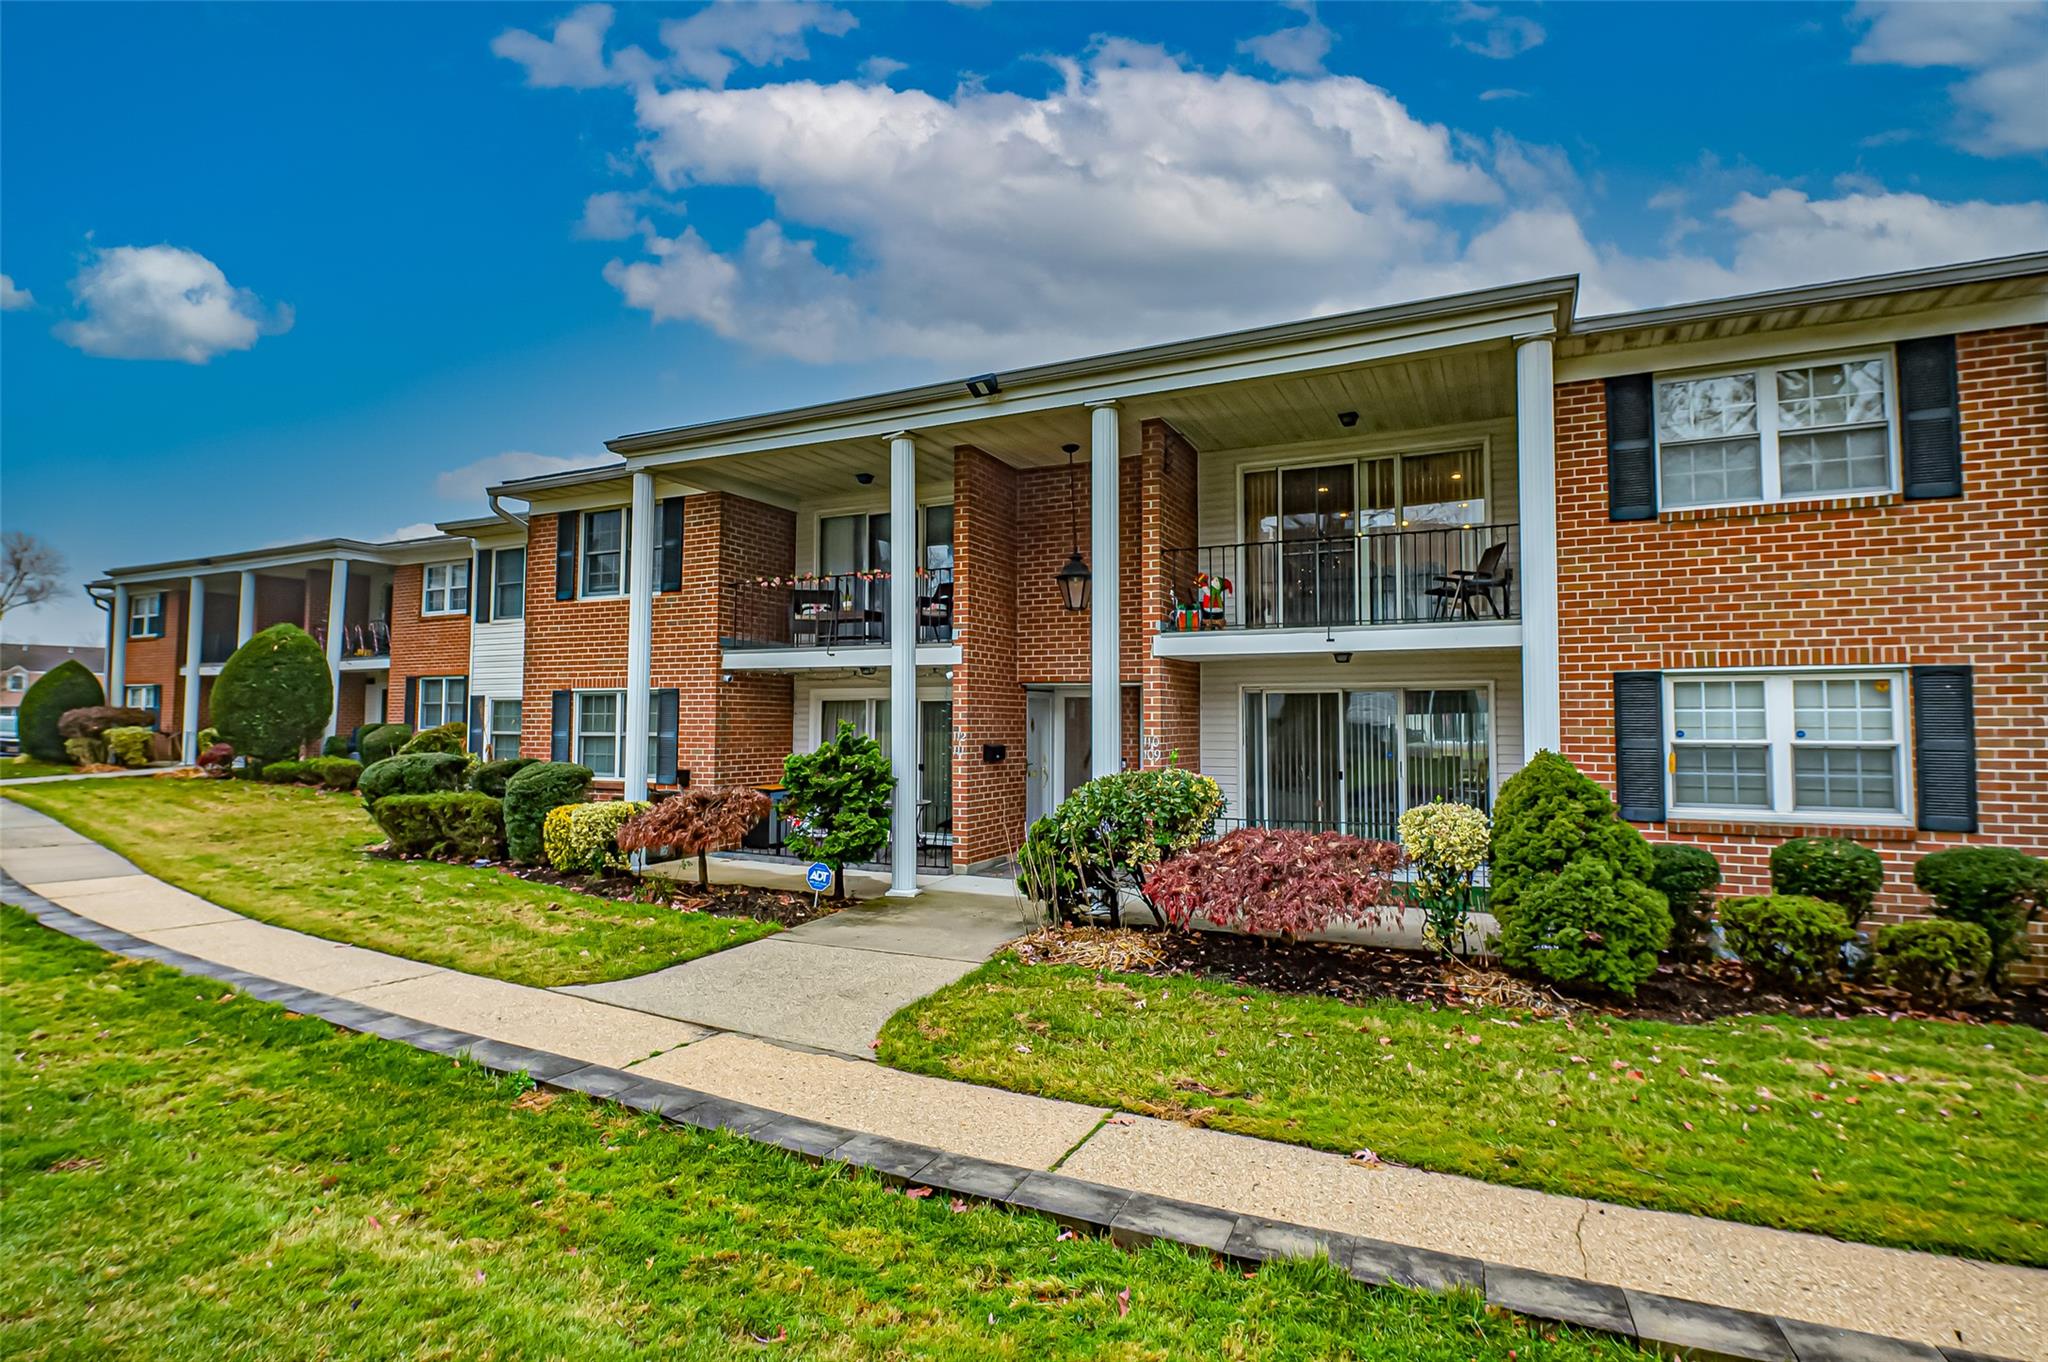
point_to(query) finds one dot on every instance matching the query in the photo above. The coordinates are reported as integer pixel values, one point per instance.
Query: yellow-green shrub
(584, 838)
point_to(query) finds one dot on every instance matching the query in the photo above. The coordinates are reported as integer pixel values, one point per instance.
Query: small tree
(696, 823)
(31, 572)
(67, 686)
(838, 803)
(274, 694)
(1446, 844)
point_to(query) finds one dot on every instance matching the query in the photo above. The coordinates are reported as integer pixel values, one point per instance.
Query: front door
(1059, 748)
(1038, 756)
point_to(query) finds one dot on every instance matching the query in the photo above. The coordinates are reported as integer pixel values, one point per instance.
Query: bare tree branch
(31, 571)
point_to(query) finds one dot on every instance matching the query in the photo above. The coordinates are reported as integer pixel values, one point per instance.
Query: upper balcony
(819, 619)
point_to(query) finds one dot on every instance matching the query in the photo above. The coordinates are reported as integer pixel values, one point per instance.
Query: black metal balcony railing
(832, 610)
(1464, 572)
(360, 640)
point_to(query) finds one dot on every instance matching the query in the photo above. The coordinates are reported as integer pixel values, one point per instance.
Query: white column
(903, 560)
(639, 632)
(195, 633)
(117, 652)
(1105, 686)
(245, 617)
(1536, 482)
(337, 613)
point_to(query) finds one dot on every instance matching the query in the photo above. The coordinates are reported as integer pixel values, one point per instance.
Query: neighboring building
(1767, 565)
(22, 665)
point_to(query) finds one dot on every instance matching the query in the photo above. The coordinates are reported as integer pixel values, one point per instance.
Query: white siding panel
(497, 659)
(1224, 683)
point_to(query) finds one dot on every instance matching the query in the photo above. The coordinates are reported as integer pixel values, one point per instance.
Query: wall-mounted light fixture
(1073, 578)
(1347, 419)
(984, 385)
(1340, 657)
(864, 478)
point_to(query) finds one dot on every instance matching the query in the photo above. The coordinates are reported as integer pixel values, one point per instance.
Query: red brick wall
(155, 661)
(754, 712)
(1877, 581)
(1168, 519)
(279, 600)
(988, 702)
(1052, 641)
(421, 645)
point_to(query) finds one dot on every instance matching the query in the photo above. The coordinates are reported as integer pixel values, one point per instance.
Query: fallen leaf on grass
(917, 1193)
(1123, 1302)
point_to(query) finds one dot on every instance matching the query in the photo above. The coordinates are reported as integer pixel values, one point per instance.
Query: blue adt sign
(818, 877)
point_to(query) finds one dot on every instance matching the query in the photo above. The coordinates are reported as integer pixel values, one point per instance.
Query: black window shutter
(1944, 749)
(665, 737)
(559, 733)
(565, 556)
(476, 724)
(668, 552)
(1631, 449)
(480, 587)
(1639, 745)
(1933, 431)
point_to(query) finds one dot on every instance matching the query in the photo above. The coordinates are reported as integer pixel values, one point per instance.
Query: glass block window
(1775, 432)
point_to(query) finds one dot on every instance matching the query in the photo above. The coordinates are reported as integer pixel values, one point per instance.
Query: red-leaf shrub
(217, 760)
(1273, 880)
(695, 823)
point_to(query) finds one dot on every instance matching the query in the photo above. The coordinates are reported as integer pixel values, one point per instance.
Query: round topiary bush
(1998, 888)
(335, 746)
(1790, 941)
(419, 773)
(530, 795)
(67, 686)
(449, 737)
(1934, 961)
(1832, 869)
(1686, 877)
(490, 777)
(274, 695)
(1549, 814)
(1587, 926)
(379, 741)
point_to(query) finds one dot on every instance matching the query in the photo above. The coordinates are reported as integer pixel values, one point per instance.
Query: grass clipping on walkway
(1924, 1135)
(194, 1175)
(294, 857)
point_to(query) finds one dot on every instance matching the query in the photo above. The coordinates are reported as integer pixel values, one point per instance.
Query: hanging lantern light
(1073, 578)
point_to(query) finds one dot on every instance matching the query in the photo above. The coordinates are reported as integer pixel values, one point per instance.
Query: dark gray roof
(40, 657)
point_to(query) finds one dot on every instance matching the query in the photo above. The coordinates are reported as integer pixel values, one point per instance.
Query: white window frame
(153, 697)
(498, 582)
(492, 733)
(625, 552)
(146, 614)
(1781, 740)
(1766, 375)
(441, 702)
(453, 590)
(617, 733)
(17, 681)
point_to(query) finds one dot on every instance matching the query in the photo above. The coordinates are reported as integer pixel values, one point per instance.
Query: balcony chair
(813, 612)
(1454, 593)
(935, 614)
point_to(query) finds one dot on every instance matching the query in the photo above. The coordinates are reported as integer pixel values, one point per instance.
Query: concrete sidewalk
(1936, 1302)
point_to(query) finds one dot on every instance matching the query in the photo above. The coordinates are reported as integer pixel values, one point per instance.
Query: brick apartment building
(1765, 565)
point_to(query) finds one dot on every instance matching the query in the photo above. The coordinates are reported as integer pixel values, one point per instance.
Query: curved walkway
(1681, 1281)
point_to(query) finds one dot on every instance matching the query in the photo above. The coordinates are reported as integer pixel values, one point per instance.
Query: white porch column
(245, 617)
(1536, 482)
(1105, 680)
(117, 650)
(195, 633)
(903, 560)
(337, 614)
(639, 632)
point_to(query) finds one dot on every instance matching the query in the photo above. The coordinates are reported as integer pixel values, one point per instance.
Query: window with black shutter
(1639, 745)
(1944, 749)
(1631, 449)
(1932, 437)
(565, 555)
(562, 730)
(668, 549)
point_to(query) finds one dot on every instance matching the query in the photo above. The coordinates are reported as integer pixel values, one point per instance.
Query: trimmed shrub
(274, 695)
(336, 746)
(838, 802)
(1934, 961)
(1587, 926)
(453, 824)
(1548, 815)
(207, 737)
(448, 737)
(334, 773)
(1686, 877)
(420, 773)
(1998, 888)
(83, 751)
(1788, 940)
(382, 740)
(1272, 881)
(584, 838)
(1446, 844)
(530, 794)
(67, 686)
(94, 720)
(696, 823)
(1832, 869)
(1049, 871)
(217, 759)
(490, 777)
(129, 746)
(283, 772)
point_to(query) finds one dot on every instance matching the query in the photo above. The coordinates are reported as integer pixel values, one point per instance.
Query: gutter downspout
(516, 521)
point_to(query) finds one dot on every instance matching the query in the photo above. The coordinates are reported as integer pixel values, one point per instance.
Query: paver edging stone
(1691, 1328)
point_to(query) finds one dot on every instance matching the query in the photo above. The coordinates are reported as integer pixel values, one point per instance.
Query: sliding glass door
(1354, 760)
(870, 717)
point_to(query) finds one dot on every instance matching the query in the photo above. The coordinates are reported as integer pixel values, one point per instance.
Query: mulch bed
(1362, 974)
(719, 900)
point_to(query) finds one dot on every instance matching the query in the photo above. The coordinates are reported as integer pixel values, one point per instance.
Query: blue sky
(278, 272)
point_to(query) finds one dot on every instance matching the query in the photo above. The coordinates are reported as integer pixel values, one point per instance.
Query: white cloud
(1486, 30)
(164, 302)
(418, 530)
(573, 58)
(610, 216)
(14, 299)
(1488, 96)
(2002, 105)
(1298, 49)
(879, 69)
(464, 483)
(710, 44)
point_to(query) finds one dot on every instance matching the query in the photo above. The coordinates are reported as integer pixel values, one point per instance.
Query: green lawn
(294, 857)
(1780, 1121)
(23, 767)
(192, 1175)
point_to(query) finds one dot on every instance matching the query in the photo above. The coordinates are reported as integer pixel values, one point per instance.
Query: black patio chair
(1455, 592)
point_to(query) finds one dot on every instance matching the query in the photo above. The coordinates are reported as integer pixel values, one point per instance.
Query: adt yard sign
(818, 877)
